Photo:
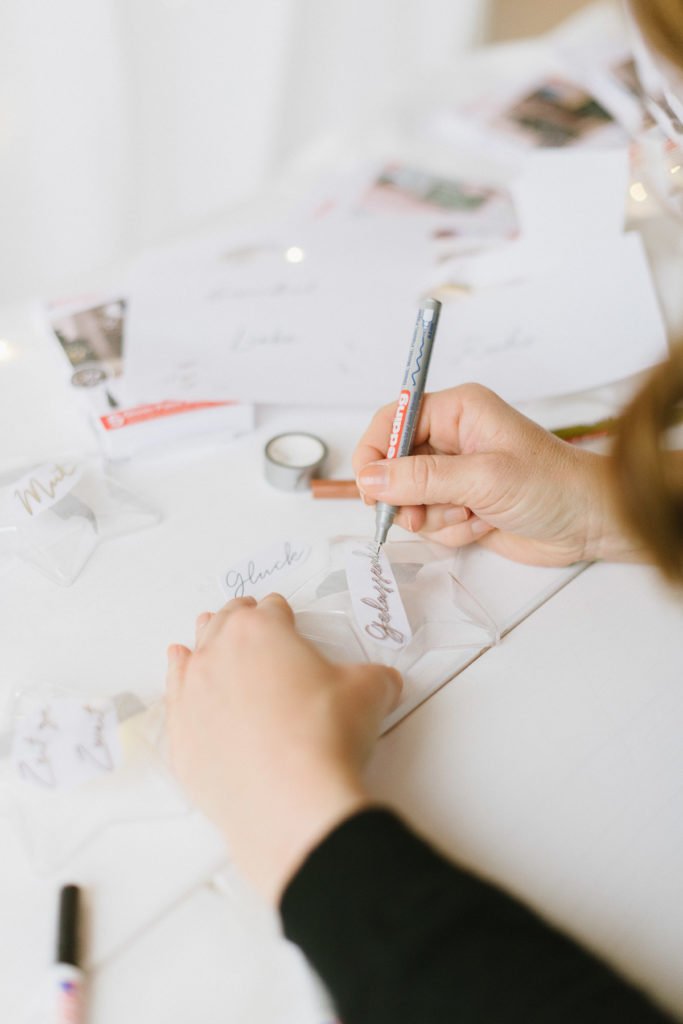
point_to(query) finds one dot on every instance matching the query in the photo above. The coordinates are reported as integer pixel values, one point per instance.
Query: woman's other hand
(268, 737)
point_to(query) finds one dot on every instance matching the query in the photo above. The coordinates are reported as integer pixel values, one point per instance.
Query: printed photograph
(92, 336)
(464, 208)
(557, 113)
(402, 188)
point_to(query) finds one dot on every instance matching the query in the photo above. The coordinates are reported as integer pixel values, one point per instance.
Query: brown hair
(662, 25)
(650, 478)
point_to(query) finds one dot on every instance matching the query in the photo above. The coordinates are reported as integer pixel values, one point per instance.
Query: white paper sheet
(585, 322)
(321, 311)
(566, 197)
(291, 316)
(341, 339)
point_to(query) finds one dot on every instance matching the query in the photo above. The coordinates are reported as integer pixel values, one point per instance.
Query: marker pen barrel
(409, 401)
(68, 978)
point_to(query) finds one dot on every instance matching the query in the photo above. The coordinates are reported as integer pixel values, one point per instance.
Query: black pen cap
(67, 926)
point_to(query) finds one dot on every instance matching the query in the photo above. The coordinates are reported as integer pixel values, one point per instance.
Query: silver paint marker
(409, 400)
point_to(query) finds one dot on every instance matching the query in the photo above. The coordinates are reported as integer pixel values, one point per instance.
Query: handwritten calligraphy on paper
(375, 596)
(480, 347)
(42, 488)
(66, 742)
(244, 340)
(264, 572)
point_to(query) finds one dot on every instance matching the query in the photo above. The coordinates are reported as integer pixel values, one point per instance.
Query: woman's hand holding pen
(481, 471)
(269, 737)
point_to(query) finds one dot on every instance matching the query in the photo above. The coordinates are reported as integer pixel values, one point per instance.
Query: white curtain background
(124, 122)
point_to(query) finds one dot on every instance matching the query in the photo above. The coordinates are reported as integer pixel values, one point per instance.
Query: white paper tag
(375, 597)
(275, 568)
(66, 742)
(25, 499)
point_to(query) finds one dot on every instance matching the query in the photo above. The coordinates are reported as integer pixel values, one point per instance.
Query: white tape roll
(292, 460)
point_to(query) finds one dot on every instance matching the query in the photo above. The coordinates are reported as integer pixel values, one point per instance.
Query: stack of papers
(321, 311)
(543, 292)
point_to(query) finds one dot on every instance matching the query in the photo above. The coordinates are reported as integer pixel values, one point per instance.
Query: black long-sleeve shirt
(402, 936)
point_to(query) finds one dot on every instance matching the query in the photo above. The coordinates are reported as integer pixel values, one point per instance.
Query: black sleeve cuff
(401, 935)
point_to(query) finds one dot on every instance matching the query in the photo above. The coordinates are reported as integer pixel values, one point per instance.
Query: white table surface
(552, 764)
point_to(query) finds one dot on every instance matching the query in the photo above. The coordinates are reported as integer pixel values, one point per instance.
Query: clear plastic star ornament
(71, 765)
(404, 607)
(54, 514)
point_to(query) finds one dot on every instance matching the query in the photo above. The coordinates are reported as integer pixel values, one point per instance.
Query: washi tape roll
(292, 460)
(90, 375)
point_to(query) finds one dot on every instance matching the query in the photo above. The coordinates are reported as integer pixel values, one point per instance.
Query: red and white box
(123, 433)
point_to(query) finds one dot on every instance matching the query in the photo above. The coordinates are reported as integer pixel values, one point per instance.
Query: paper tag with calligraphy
(279, 567)
(375, 597)
(66, 742)
(25, 499)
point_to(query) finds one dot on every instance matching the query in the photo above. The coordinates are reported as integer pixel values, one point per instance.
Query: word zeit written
(40, 764)
(45, 487)
(241, 581)
(381, 627)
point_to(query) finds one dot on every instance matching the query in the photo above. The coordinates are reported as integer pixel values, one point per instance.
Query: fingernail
(479, 526)
(374, 477)
(455, 515)
(409, 522)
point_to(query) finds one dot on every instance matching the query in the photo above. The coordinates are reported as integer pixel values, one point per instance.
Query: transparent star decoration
(449, 625)
(55, 822)
(53, 515)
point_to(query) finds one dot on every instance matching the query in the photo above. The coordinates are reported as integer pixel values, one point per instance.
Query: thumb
(429, 479)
